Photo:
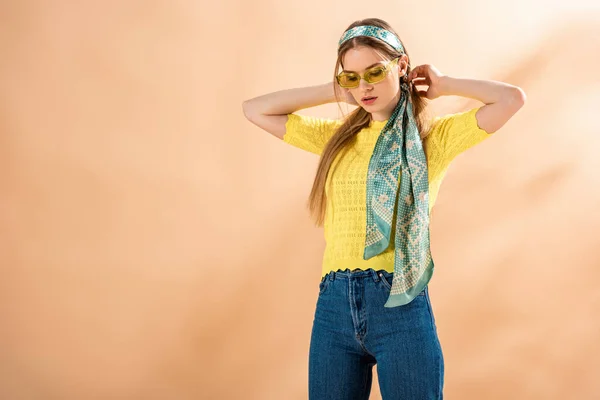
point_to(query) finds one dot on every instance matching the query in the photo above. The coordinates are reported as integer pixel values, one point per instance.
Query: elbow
(517, 97)
(247, 110)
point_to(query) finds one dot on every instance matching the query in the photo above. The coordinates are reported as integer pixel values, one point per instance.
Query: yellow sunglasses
(351, 80)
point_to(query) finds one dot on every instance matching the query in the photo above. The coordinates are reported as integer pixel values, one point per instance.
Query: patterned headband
(374, 32)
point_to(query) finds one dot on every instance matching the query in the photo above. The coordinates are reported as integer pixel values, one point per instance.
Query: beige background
(156, 245)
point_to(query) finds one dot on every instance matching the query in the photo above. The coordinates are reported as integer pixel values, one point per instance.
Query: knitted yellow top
(345, 189)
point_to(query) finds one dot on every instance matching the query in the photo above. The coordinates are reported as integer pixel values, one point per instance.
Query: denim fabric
(352, 331)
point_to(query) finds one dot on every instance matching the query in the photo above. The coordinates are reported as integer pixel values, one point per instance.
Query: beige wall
(155, 244)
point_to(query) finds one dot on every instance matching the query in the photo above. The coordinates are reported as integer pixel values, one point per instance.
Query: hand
(427, 75)
(349, 98)
(346, 96)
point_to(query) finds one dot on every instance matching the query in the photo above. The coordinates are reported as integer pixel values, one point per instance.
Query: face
(386, 92)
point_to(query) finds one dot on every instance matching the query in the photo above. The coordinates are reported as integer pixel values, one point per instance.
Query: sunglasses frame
(386, 70)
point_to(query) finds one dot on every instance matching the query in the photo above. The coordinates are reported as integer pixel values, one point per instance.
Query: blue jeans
(352, 331)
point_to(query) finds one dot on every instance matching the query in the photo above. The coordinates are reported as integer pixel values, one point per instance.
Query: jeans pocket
(386, 279)
(323, 285)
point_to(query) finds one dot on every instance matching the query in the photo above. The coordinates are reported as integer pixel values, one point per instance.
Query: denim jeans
(352, 331)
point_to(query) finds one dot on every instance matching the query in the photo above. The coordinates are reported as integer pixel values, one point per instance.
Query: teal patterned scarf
(398, 154)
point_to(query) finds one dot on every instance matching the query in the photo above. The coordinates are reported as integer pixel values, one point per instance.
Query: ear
(403, 64)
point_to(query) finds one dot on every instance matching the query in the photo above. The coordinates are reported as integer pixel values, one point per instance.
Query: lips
(368, 100)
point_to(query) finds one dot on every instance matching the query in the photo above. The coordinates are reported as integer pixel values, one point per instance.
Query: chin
(372, 109)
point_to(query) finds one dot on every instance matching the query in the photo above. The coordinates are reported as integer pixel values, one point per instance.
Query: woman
(381, 164)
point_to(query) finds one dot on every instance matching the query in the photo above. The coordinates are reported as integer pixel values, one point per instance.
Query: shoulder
(309, 132)
(463, 120)
(451, 134)
(309, 121)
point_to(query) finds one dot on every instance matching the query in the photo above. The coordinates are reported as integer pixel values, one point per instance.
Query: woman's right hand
(350, 98)
(346, 96)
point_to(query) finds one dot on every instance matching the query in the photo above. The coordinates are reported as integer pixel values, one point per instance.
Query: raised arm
(270, 111)
(502, 100)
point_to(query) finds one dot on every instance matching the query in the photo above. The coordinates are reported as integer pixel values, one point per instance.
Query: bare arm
(270, 111)
(502, 99)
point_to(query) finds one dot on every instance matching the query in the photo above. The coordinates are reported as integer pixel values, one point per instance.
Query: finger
(422, 93)
(412, 74)
(420, 81)
(419, 75)
(419, 70)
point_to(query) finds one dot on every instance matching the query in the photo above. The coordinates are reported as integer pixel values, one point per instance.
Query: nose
(363, 84)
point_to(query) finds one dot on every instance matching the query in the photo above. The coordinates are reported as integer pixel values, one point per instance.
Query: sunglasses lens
(375, 75)
(348, 80)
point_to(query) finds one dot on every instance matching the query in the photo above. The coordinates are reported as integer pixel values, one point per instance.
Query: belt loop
(374, 275)
(332, 275)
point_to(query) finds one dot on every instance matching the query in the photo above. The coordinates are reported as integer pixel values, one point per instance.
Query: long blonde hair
(357, 119)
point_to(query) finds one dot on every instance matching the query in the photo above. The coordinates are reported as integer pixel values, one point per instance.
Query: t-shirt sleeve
(309, 133)
(452, 134)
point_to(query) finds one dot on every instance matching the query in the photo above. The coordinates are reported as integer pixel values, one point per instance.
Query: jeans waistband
(356, 273)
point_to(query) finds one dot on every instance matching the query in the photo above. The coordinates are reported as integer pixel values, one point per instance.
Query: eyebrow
(370, 66)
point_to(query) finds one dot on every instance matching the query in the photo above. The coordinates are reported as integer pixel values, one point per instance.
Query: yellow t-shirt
(345, 189)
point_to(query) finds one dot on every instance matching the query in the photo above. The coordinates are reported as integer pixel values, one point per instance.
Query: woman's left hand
(427, 75)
